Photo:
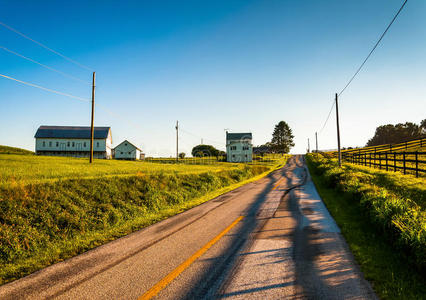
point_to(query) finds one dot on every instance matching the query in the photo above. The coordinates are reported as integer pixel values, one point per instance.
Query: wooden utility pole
(309, 147)
(92, 129)
(177, 141)
(338, 133)
(316, 141)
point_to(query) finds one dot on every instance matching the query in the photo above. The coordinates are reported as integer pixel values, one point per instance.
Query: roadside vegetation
(52, 208)
(382, 217)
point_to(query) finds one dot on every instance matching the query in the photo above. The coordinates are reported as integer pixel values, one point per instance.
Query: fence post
(370, 160)
(403, 159)
(386, 159)
(394, 161)
(417, 165)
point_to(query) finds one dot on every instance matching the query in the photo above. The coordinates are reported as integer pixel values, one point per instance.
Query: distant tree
(182, 155)
(282, 138)
(263, 149)
(205, 151)
(399, 133)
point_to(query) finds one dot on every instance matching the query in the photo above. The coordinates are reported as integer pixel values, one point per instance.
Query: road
(272, 239)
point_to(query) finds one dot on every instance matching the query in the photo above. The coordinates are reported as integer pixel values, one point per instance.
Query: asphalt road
(270, 239)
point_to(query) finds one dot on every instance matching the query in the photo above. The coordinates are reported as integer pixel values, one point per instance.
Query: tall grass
(395, 204)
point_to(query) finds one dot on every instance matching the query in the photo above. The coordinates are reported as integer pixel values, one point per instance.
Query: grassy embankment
(52, 208)
(382, 217)
(13, 150)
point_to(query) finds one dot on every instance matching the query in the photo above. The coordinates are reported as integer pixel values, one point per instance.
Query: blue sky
(243, 65)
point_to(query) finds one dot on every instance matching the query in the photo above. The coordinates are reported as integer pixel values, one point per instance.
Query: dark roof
(128, 143)
(238, 136)
(71, 132)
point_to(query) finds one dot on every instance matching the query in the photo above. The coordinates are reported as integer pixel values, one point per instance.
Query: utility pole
(309, 147)
(177, 141)
(92, 129)
(316, 141)
(338, 132)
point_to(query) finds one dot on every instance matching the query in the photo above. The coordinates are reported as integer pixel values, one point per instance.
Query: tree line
(399, 133)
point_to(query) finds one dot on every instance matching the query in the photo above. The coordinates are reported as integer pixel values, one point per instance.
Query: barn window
(73, 144)
(57, 144)
(84, 144)
(50, 144)
(44, 144)
(68, 144)
(97, 144)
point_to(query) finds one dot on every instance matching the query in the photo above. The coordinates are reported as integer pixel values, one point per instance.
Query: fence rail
(405, 146)
(406, 162)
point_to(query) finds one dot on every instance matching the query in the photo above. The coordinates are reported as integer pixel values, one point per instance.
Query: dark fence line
(390, 147)
(390, 161)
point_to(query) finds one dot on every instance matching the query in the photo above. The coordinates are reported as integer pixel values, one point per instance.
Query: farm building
(239, 147)
(73, 141)
(127, 150)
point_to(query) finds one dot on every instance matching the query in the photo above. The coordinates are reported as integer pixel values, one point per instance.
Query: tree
(182, 155)
(204, 151)
(399, 133)
(282, 138)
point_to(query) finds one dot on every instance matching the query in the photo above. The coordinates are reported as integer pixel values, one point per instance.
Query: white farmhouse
(239, 147)
(127, 150)
(73, 141)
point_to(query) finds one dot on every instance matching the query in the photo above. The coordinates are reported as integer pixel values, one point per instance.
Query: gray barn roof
(238, 136)
(71, 132)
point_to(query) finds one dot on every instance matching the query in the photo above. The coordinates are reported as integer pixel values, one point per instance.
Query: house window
(246, 155)
(245, 148)
(68, 144)
(233, 147)
(233, 155)
(125, 144)
(129, 152)
(57, 144)
(50, 144)
(121, 152)
(73, 144)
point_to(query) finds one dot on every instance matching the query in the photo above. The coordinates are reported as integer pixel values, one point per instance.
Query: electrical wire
(43, 65)
(374, 48)
(45, 47)
(329, 113)
(45, 89)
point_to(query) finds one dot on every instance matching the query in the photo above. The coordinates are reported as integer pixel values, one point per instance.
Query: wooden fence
(405, 162)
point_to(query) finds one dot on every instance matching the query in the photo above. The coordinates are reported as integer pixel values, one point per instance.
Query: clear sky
(243, 65)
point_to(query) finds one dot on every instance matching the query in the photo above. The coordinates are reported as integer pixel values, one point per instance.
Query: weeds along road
(270, 239)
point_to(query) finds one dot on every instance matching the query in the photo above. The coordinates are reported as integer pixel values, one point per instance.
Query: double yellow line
(176, 272)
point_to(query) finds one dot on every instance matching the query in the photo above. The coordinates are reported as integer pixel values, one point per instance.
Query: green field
(52, 208)
(383, 218)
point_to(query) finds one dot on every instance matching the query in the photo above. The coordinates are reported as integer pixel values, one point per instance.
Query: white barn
(126, 150)
(239, 147)
(73, 141)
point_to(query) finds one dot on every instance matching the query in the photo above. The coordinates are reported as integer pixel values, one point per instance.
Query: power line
(329, 113)
(45, 47)
(43, 65)
(45, 89)
(374, 48)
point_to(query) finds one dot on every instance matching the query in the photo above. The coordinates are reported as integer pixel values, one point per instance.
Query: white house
(73, 141)
(127, 150)
(239, 147)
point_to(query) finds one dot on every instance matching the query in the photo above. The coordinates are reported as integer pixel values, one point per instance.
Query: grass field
(13, 150)
(382, 216)
(52, 208)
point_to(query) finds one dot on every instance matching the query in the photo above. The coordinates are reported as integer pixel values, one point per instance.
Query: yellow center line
(279, 181)
(176, 272)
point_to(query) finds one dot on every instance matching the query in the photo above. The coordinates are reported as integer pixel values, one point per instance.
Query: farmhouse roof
(128, 143)
(238, 136)
(71, 132)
